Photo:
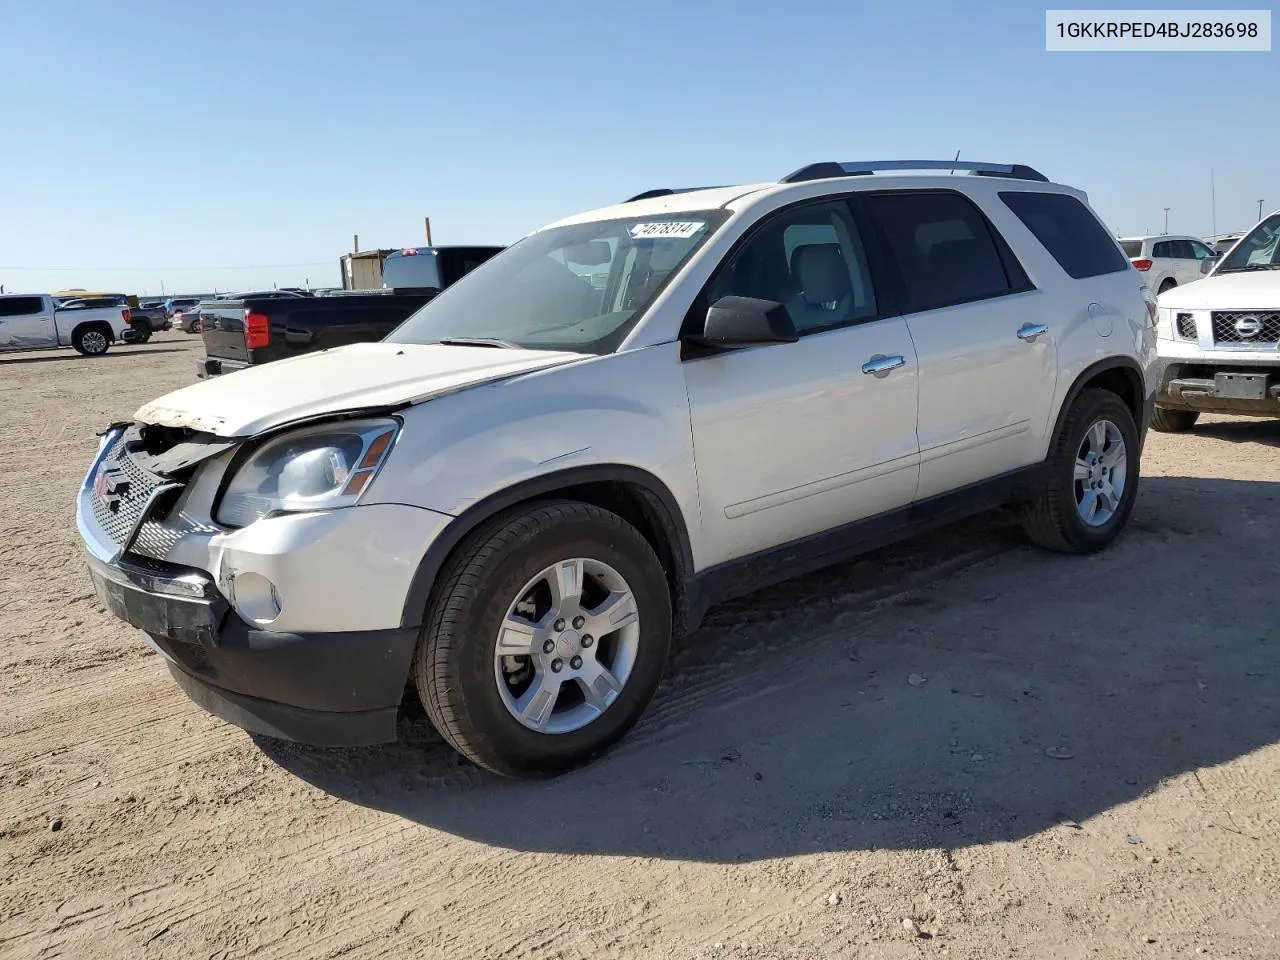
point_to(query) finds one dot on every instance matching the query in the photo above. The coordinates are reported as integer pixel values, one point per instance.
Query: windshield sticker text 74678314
(666, 229)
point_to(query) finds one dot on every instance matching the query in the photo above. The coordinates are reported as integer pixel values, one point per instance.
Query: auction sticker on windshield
(666, 229)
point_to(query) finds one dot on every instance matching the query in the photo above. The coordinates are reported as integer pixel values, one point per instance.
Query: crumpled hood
(354, 377)
(1253, 290)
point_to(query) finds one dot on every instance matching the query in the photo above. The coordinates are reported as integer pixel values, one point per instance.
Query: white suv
(1166, 262)
(1219, 341)
(516, 499)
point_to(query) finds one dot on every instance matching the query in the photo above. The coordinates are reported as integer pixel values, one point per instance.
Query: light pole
(1166, 221)
(1259, 209)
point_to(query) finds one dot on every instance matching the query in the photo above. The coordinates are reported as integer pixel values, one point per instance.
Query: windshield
(580, 287)
(1259, 250)
(1131, 248)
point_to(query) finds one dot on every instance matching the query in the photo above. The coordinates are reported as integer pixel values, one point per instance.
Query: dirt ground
(1025, 755)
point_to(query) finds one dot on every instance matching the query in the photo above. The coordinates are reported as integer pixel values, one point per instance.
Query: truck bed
(296, 325)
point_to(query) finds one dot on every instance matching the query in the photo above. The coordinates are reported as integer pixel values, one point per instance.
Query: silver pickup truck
(34, 321)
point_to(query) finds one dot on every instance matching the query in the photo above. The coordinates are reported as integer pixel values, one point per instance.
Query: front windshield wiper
(478, 342)
(1251, 266)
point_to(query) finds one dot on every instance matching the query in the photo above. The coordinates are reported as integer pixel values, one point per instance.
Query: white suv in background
(1219, 340)
(517, 498)
(1166, 262)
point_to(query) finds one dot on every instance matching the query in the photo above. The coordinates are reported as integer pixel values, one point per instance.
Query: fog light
(254, 597)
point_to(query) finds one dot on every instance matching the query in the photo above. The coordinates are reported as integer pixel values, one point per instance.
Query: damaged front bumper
(328, 689)
(327, 664)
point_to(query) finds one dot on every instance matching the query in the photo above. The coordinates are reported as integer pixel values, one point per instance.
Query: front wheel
(1173, 421)
(546, 639)
(1092, 477)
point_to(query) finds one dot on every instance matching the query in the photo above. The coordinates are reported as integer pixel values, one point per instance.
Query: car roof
(742, 197)
(1164, 236)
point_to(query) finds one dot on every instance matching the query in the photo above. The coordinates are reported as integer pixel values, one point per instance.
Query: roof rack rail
(829, 168)
(663, 192)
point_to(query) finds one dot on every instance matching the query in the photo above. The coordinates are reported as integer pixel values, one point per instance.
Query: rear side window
(1162, 250)
(1132, 248)
(1071, 233)
(945, 251)
(20, 306)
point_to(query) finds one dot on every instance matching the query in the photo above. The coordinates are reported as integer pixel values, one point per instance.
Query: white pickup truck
(34, 321)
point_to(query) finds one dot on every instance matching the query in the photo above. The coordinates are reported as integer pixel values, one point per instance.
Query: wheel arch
(101, 325)
(636, 495)
(1119, 375)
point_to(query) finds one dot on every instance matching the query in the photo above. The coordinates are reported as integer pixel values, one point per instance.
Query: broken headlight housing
(315, 468)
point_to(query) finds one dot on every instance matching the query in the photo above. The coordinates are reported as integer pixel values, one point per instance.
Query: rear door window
(1162, 250)
(1071, 233)
(944, 249)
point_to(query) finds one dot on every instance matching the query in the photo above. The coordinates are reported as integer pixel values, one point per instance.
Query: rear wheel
(546, 639)
(90, 341)
(1092, 477)
(1173, 421)
(1167, 285)
(141, 331)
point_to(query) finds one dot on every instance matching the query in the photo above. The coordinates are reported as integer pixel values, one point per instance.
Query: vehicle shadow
(130, 349)
(986, 705)
(1251, 430)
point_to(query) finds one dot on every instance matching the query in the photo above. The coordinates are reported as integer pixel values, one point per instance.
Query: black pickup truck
(244, 331)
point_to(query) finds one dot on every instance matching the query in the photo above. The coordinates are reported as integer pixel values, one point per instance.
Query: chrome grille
(121, 492)
(1186, 326)
(156, 539)
(1247, 327)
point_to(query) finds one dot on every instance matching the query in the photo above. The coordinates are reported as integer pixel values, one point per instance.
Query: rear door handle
(1029, 331)
(880, 365)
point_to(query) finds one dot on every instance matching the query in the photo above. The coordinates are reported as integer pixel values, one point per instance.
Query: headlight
(316, 468)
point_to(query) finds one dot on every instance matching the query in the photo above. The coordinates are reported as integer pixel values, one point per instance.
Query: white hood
(1250, 290)
(354, 377)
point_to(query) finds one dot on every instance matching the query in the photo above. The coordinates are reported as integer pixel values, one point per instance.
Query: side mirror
(736, 322)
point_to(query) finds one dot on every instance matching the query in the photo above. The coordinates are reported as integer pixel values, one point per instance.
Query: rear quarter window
(1069, 231)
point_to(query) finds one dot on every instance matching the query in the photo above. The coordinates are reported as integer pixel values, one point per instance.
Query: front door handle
(880, 365)
(1029, 331)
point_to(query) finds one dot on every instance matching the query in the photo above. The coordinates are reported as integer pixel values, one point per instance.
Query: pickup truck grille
(1186, 326)
(1247, 327)
(121, 493)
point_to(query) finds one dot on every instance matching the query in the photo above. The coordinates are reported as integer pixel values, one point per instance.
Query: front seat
(825, 294)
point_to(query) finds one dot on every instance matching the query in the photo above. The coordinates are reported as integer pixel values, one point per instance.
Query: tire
(1167, 285)
(1167, 420)
(141, 331)
(91, 341)
(465, 686)
(1055, 519)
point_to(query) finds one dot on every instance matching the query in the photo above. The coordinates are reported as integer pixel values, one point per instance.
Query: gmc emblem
(111, 486)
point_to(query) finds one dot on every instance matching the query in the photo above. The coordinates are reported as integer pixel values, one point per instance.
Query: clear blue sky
(140, 138)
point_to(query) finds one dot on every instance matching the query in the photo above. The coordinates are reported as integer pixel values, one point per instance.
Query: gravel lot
(1025, 755)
